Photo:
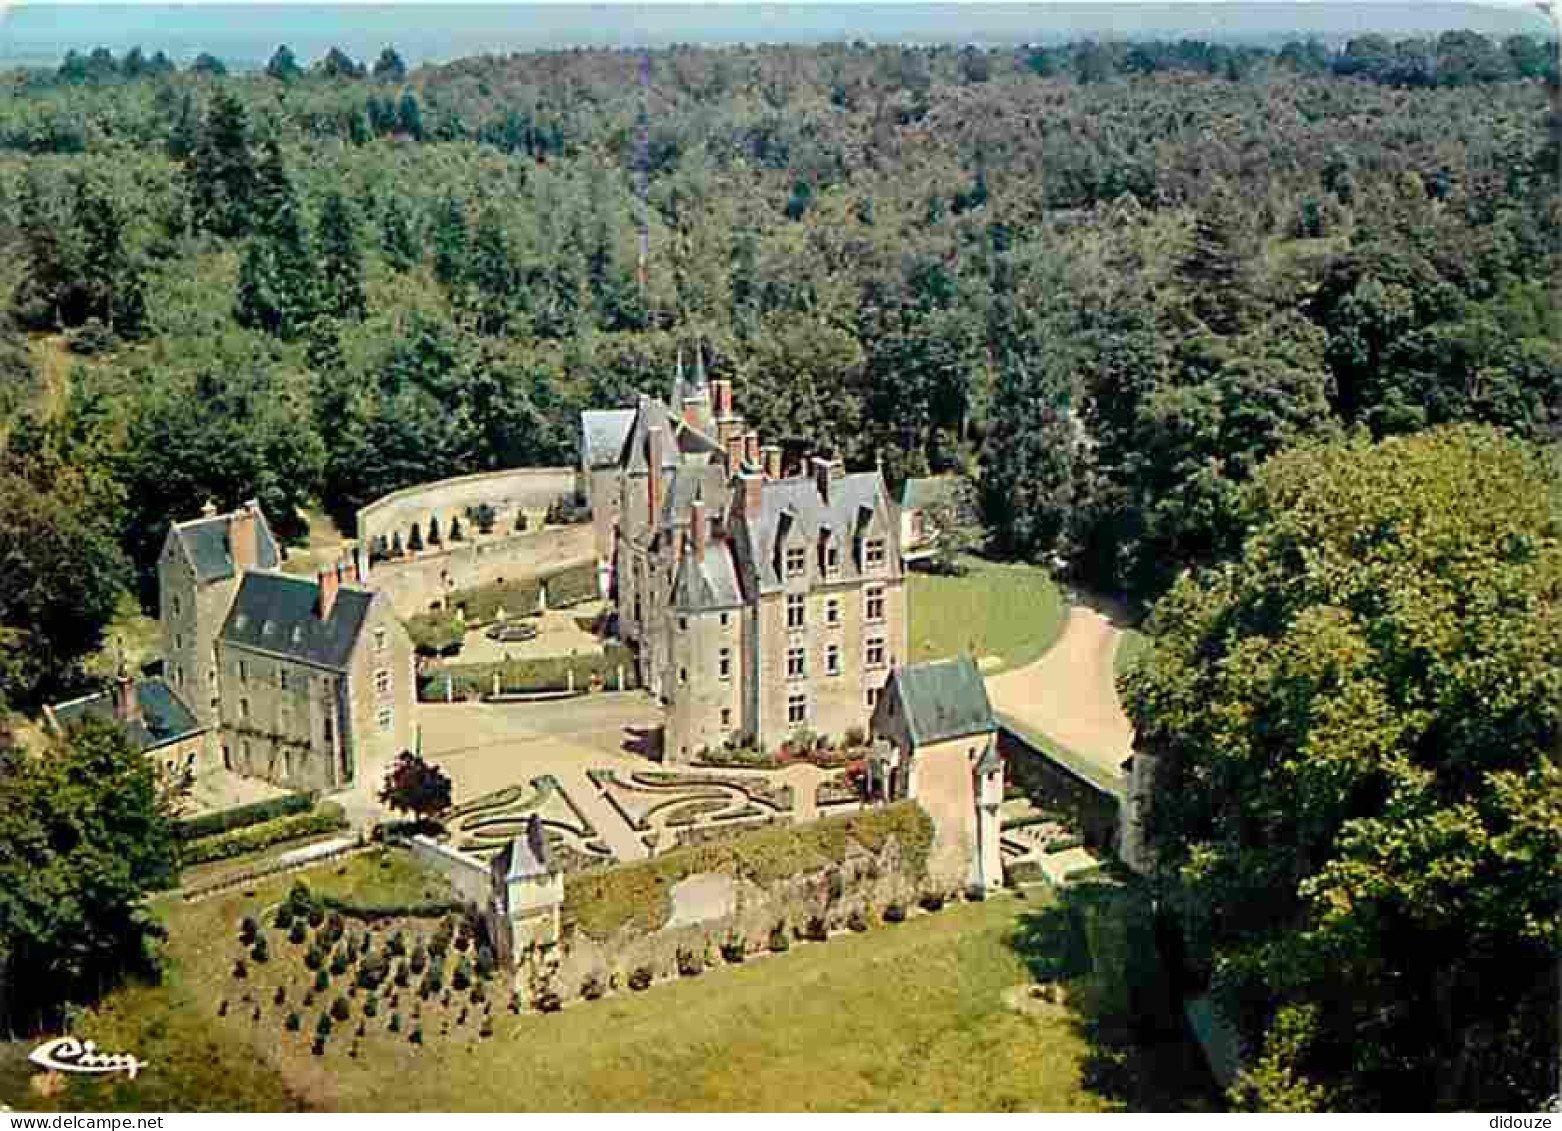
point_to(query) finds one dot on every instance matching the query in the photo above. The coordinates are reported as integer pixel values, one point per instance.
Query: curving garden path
(1070, 694)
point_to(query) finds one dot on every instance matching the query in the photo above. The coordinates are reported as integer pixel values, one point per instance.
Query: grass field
(1011, 611)
(903, 1017)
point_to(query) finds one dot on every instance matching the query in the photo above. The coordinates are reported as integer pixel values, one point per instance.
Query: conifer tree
(389, 67)
(283, 65)
(222, 173)
(397, 239)
(452, 244)
(340, 260)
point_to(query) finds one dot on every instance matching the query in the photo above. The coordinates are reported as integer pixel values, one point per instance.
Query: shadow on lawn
(1099, 940)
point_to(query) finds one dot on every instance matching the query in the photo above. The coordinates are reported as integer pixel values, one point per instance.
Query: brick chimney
(728, 427)
(772, 461)
(244, 538)
(697, 529)
(329, 581)
(691, 411)
(656, 441)
(746, 498)
(751, 448)
(734, 446)
(127, 704)
(721, 396)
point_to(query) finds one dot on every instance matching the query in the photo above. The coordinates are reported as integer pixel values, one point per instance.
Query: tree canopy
(1358, 801)
(85, 836)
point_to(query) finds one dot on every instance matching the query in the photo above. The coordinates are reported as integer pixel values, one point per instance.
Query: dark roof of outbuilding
(526, 856)
(277, 613)
(943, 699)
(206, 542)
(164, 718)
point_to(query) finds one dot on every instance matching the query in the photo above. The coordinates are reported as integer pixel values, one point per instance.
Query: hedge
(571, 586)
(375, 912)
(242, 816)
(602, 903)
(550, 673)
(329, 817)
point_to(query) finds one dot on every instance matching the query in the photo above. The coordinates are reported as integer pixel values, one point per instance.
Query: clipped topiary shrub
(323, 1025)
(734, 948)
(395, 1023)
(895, 913)
(780, 938)
(248, 929)
(294, 1022)
(549, 1002)
(816, 931)
(857, 921)
(340, 1010)
(322, 981)
(240, 970)
(592, 988)
(932, 901)
(298, 932)
(283, 919)
(689, 964)
(641, 978)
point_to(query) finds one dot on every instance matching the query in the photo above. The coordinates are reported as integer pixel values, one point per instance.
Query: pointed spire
(676, 403)
(699, 364)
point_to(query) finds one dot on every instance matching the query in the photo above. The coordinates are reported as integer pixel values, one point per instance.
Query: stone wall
(527, 488)
(1052, 785)
(723, 909)
(467, 875)
(416, 584)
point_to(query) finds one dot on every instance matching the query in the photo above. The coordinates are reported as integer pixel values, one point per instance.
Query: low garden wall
(676, 914)
(614, 670)
(468, 876)
(416, 584)
(1050, 784)
(527, 488)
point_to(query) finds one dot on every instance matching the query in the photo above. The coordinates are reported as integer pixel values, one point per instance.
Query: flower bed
(758, 790)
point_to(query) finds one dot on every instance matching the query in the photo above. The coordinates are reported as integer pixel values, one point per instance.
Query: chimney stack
(721, 394)
(127, 704)
(734, 445)
(691, 411)
(822, 469)
(656, 441)
(746, 498)
(772, 461)
(729, 427)
(244, 538)
(751, 448)
(697, 529)
(329, 580)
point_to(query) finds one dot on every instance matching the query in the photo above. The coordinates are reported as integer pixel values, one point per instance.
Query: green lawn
(903, 1017)
(1011, 611)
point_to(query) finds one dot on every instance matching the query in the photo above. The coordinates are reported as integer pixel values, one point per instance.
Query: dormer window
(796, 561)
(873, 553)
(832, 559)
(298, 633)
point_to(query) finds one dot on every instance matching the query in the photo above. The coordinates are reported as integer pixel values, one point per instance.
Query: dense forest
(1106, 280)
(1183, 314)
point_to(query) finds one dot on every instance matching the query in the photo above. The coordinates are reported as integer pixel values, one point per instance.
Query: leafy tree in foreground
(1358, 809)
(85, 835)
(417, 787)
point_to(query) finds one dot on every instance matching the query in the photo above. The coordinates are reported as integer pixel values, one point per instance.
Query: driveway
(1070, 694)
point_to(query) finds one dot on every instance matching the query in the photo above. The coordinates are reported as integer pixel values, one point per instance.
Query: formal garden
(483, 825)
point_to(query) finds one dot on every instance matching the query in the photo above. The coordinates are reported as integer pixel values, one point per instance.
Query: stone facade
(936, 743)
(762, 605)
(300, 681)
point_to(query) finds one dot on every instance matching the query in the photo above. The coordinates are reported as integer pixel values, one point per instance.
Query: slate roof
(697, 477)
(928, 491)
(943, 699)
(278, 613)
(164, 719)
(708, 584)
(602, 435)
(796, 505)
(526, 857)
(205, 541)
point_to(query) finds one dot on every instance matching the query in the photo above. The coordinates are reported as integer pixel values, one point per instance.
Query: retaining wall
(415, 584)
(864, 882)
(470, 878)
(525, 488)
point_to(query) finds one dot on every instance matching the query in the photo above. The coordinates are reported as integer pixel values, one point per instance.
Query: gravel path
(1070, 694)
